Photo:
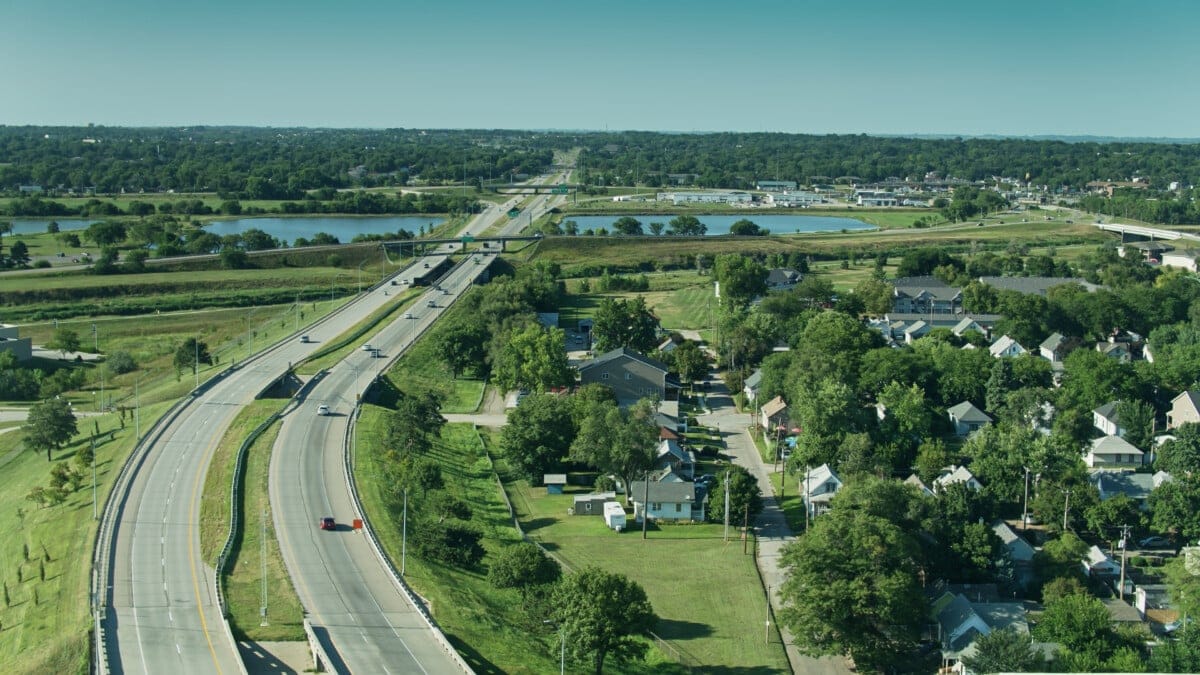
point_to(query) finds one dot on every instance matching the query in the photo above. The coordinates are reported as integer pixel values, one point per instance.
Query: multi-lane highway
(345, 587)
(157, 597)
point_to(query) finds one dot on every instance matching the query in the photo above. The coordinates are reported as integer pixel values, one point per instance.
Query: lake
(776, 224)
(342, 227)
(31, 226)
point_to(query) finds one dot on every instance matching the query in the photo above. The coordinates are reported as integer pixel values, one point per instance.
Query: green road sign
(468, 239)
(560, 190)
(514, 213)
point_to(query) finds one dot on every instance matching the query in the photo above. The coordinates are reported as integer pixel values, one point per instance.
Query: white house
(1112, 451)
(675, 458)
(967, 325)
(1185, 408)
(1018, 549)
(669, 500)
(773, 414)
(1097, 563)
(956, 474)
(1105, 419)
(967, 418)
(817, 489)
(750, 387)
(1056, 347)
(1005, 347)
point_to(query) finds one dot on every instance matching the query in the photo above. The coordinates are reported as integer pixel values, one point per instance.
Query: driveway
(773, 531)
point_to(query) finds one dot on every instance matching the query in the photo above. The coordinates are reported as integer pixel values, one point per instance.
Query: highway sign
(467, 239)
(560, 190)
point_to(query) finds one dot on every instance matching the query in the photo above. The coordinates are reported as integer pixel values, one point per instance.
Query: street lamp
(360, 268)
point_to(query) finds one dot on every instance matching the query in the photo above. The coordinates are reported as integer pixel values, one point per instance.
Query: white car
(367, 347)
(322, 410)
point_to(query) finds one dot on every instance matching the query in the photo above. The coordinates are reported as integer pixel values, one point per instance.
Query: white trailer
(614, 515)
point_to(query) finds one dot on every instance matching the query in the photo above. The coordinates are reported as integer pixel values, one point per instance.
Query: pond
(776, 224)
(343, 227)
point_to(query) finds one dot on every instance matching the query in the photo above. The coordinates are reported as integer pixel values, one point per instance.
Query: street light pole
(137, 411)
(404, 535)
(1025, 508)
(196, 363)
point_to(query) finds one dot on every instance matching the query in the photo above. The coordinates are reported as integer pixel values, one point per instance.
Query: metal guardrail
(114, 502)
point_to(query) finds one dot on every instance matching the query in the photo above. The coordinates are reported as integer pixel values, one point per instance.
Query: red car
(328, 523)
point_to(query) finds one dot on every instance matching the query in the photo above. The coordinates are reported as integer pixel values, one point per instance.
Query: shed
(554, 482)
(592, 504)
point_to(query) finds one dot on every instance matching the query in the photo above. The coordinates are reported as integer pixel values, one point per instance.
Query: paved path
(773, 531)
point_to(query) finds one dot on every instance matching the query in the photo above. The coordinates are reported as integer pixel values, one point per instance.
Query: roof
(967, 412)
(957, 612)
(592, 496)
(932, 286)
(1034, 285)
(754, 379)
(623, 352)
(1189, 399)
(1017, 547)
(1003, 344)
(667, 434)
(668, 491)
(818, 477)
(916, 482)
(1113, 445)
(1149, 245)
(1053, 342)
(1133, 485)
(1121, 611)
(554, 479)
(965, 325)
(1097, 558)
(672, 448)
(943, 319)
(916, 327)
(782, 276)
(956, 474)
(774, 407)
(1108, 411)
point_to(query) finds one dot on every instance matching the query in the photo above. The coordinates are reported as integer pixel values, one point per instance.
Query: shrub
(121, 362)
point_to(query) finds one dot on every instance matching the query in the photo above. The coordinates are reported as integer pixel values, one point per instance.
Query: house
(667, 433)
(782, 279)
(967, 325)
(1144, 250)
(966, 418)
(791, 199)
(1097, 564)
(916, 331)
(774, 414)
(1106, 420)
(1005, 347)
(554, 482)
(630, 375)
(915, 481)
(1136, 486)
(668, 500)
(925, 295)
(668, 345)
(961, 622)
(674, 457)
(1056, 347)
(1119, 351)
(818, 487)
(11, 341)
(1112, 451)
(1018, 549)
(956, 474)
(1185, 408)
(592, 504)
(750, 387)
(1185, 259)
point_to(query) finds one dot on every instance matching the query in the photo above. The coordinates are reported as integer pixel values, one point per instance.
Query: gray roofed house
(1005, 346)
(750, 386)
(915, 481)
(963, 621)
(1056, 347)
(925, 295)
(1106, 419)
(818, 487)
(668, 500)
(591, 504)
(1035, 285)
(1185, 408)
(630, 375)
(956, 474)
(1018, 549)
(782, 279)
(966, 325)
(1112, 451)
(773, 413)
(967, 418)
(1136, 486)
(674, 457)
(916, 330)
(1115, 350)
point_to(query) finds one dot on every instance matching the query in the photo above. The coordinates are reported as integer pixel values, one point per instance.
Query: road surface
(159, 599)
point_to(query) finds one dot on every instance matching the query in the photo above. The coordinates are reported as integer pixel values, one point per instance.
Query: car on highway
(1154, 542)
(367, 347)
(409, 315)
(322, 410)
(304, 339)
(328, 523)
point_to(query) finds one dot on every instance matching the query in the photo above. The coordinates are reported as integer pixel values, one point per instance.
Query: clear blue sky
(1020, 67)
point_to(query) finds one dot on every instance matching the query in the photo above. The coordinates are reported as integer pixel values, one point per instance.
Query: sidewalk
(773, 531)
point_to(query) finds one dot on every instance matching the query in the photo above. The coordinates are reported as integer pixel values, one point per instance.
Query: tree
(624, 323)
(1176, 506)
(690, 361)
(18, 253)
(106, 233)
(413, 425)
(745, 497)
(64, 340)
(461, 345)
(1106, 518)
(523, 566)
(190, 354)
(533, 359)
(741, 278)
(449, 541)
(876, 294)
(1180, 455)
(618, 442)
(1137, 417)
(1004, 651)
(1078, 622)
(51, 423)
(747, 228)
(600, 615)
(538, 435)
(686, 226)
(1060, 558)
(234, 259)
(628, 225)
(135, 261)
(852, 588)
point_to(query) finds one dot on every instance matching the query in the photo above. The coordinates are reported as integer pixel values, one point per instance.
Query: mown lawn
(706, 592)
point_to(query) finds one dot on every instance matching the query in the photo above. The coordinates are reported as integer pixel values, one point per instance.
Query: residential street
(773, 529)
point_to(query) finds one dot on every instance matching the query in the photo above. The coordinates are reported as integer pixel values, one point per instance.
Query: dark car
(328, 523)
(1154, 542)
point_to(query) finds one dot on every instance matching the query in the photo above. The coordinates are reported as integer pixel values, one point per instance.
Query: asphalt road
(161, 610)
(343, 585)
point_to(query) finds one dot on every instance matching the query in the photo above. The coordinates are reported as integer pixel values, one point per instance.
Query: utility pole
(726, 505)
(137, 412)
(767, 632)
(96, 336)
(646, 507)
(196, 363)
(262, 556)
(807, 470)
(1124, 540)
(404, 536)
(1066, 507)
(1025, 508)
(95, 516)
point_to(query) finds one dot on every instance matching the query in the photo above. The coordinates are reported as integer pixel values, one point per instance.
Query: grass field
(44, 623)
(706, 592)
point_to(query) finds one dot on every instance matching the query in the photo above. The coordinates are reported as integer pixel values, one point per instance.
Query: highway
(159, 598)
(344, 586)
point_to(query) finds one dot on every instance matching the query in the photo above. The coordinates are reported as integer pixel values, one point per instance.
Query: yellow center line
(192, 560)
